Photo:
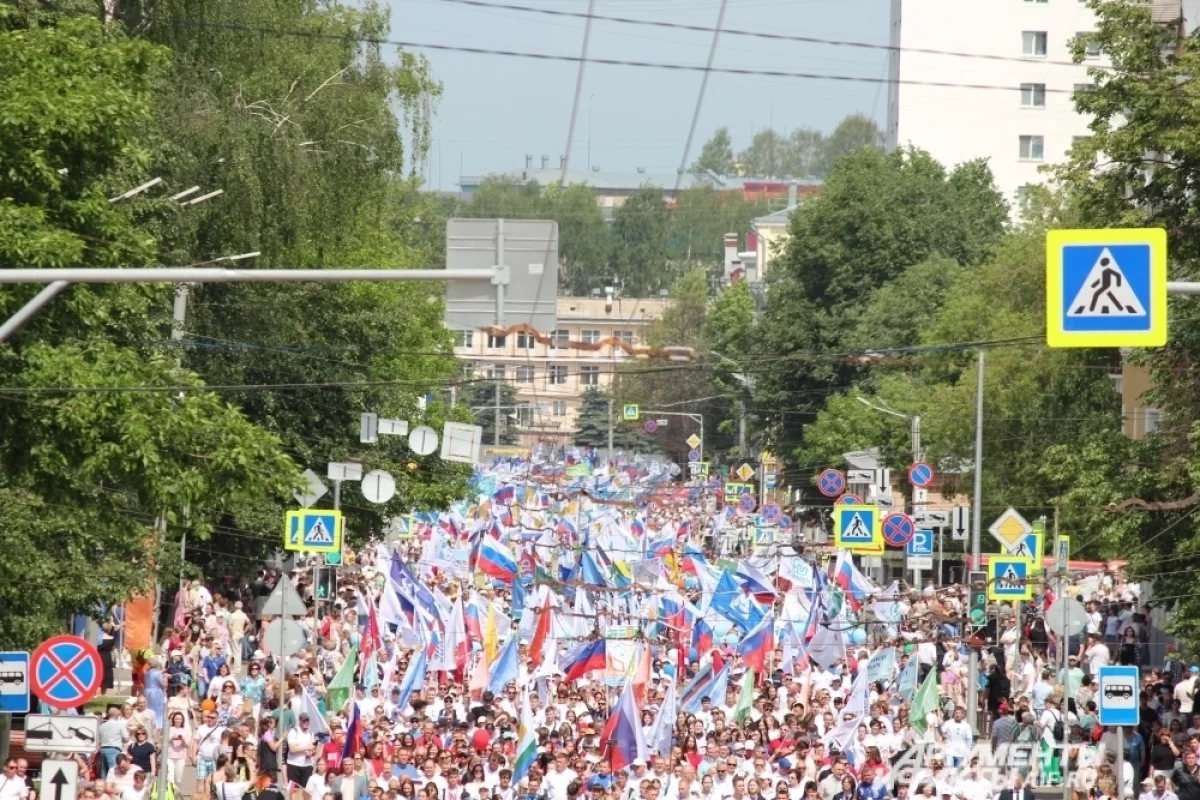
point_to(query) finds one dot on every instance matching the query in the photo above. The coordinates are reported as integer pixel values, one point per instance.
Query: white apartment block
(1030, 121)
(550, 379)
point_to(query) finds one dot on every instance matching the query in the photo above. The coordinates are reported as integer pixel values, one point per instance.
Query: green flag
(342, 684)
(924, 702)
(746, 699)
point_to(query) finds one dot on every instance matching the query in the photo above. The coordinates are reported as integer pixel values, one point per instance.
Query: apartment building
(550, 379)
(950, 54)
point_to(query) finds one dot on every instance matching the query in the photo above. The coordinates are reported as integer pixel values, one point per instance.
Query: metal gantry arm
(694, 417)
(60, 279)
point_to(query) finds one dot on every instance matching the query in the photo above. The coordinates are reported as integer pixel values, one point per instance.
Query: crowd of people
(530, 646)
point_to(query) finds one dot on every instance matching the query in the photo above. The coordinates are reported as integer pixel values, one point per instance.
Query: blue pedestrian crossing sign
(857, 528)
(1008, 578)
(1106, 288)
(313, 531)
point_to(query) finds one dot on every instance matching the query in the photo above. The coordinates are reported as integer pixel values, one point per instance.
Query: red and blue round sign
(849, 500)
(65, 672)
(920, 474)
(831, 482)
(898, 529)
(746, 502)
(771, 512)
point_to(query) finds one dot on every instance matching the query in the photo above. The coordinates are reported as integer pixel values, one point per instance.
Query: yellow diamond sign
(693, 441)
(745, 472)
(1010, 528)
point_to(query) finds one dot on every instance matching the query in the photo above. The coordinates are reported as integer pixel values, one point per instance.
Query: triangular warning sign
(1010, 574)
(318, 533)
(857, 529)
(284, 601)
(1106, 292)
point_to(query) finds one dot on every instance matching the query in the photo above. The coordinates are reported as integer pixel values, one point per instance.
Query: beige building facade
(551, 378)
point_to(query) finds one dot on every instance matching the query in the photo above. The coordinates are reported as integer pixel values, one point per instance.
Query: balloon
(858, 636)
(909, 649)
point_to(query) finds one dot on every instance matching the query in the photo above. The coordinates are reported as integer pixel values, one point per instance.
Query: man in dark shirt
(1186, 777)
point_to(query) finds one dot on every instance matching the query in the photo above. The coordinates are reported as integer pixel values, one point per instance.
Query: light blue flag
(731, 601)
(906, 684)
(506, 667)
(414, 677)
(719, 685)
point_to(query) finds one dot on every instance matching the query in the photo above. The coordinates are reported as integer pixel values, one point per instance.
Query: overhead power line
(612, 62)
(783, 37)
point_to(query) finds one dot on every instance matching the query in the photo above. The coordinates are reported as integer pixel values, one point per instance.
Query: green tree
(806, 154)
(1138, 169)
(639, 237)
(99, 439)
(699, 221)
(317, 143)
(584, 238)
(716, 155)
(591, 426)
(767, 156)
(853, 133)
(879, 215)
(482, 400)
(503, 197)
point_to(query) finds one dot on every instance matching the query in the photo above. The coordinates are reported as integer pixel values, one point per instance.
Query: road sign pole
(976, 544)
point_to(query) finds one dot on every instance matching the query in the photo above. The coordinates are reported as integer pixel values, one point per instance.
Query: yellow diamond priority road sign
(693, 441)
(1010, 528)
(745, 472)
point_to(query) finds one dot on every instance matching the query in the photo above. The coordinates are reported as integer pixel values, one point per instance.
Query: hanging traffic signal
(977, 610)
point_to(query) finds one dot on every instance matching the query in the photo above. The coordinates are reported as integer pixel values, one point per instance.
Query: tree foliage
(804, 153)
(716, 155)
(481, 397)
(95, 446)
(1139, 169)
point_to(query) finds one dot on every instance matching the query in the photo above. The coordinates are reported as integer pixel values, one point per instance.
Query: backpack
(1057, 731)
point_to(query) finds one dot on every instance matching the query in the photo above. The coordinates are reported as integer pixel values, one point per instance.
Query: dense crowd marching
(495, 654)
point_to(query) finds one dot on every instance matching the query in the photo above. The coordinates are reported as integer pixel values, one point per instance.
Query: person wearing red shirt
(331, 753)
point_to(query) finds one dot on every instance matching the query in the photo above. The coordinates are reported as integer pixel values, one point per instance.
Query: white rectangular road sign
(932, 519)
(920, 562)
(60, 779)
(960, 524)
(861, 476)
(56, 733)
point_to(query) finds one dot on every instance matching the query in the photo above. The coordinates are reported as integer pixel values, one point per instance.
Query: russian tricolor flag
(660, 547)
(583, 659)
(622, 734)
(757, 644)
(505, 494)
(702, 638)
(853, 582)
(496, 561)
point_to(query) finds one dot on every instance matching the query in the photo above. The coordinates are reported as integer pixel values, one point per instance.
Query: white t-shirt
(208, 741)
(958, 738)
(556, 783)
(1097, 656)
(298, 738)
(132, 793)
(227, 790)
(13, 788)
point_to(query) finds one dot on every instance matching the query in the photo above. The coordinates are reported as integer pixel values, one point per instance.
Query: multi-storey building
(550, 379)
(993, 79)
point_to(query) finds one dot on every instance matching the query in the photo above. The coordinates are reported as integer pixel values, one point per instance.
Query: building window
(590, 337)
(468, 369)
(1032, 148)
(624, 336)
(464, 338)
(496, 372)
(589, 376)
(559, 340)
(525, 341)
(1153, 421)
(524, 375)
(1082, 87)
(1091, 48)
(1022, 195)
(1033, 95)
(525, 416)
(1075, 139)
(556, 374)
(560, 408)
(497, 342)
(1033, 43)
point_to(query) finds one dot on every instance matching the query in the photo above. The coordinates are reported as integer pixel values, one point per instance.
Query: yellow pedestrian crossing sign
(313, 531)
(630, 412)
(858, 528)
(1009, 578)
(1106, 288)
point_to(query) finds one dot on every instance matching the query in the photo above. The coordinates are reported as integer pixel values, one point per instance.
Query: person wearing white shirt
(140, 789)
(957, 735)
(559, 777)
(972, 785)
(12, 786)
(301, 746)
(1096, 655)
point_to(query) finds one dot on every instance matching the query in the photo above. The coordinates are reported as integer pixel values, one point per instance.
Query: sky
(496, 109)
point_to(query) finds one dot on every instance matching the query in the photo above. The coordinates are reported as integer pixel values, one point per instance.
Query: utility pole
(610, 429)
(496, 429)
(976, 544)
(742, 427)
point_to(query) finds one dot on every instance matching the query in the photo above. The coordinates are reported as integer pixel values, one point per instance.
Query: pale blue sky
(496, 109)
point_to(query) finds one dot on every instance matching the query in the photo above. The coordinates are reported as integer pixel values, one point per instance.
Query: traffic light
(977, 613)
